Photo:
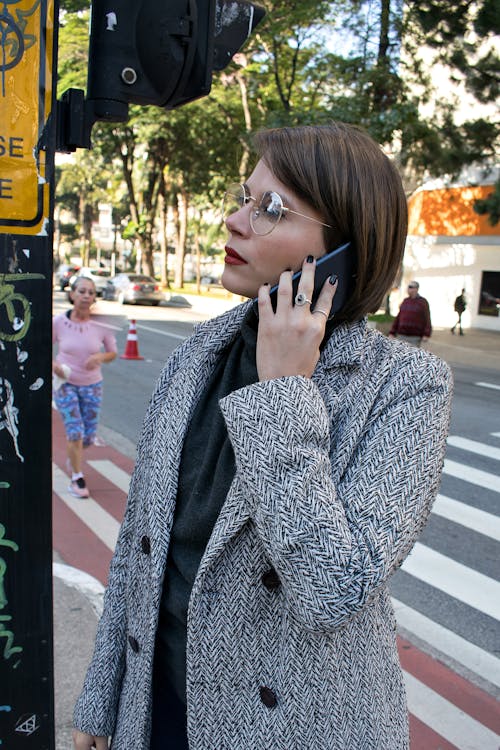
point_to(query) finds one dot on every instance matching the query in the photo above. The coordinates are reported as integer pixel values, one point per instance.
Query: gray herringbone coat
(335, 478)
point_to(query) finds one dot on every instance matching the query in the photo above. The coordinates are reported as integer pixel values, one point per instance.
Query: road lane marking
(481, 449)
(489, 385)
(119, 477)
(447, 642)
(463, 731)
(474, 476)
(98, 520)
(472, 518)
(163, 333)
(474, 589)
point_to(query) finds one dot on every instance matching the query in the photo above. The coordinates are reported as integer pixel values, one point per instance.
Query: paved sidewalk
(75, 623)
(476, 347)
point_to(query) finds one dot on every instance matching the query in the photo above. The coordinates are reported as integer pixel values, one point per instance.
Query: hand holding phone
(339, 262)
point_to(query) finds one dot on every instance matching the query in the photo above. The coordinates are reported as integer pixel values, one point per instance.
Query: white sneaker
(78, 488)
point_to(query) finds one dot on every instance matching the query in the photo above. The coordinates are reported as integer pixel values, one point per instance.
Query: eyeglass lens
(263, 217)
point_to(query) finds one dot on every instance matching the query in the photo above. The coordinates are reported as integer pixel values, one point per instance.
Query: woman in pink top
(78, 362)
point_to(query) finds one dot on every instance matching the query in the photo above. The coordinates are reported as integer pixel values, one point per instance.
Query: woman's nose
(239, 221)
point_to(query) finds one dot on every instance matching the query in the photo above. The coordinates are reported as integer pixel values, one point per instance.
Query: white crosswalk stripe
(98, 520)
(474, 476)
(472, 518)
(455, 579)
(111, 471)
(446, 719)
(494, 386)
(462, 651)
(482, 449)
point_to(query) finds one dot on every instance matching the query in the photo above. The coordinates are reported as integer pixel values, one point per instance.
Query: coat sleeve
(96, 708)
(334, 544)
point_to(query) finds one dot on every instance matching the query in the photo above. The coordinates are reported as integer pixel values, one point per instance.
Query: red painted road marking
(463, 694)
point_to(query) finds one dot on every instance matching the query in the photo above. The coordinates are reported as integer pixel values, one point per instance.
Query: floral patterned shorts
(79, 406)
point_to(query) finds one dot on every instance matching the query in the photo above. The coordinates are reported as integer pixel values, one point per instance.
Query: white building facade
(451, 248)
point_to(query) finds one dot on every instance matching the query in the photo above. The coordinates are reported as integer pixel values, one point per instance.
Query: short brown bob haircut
(340, 171)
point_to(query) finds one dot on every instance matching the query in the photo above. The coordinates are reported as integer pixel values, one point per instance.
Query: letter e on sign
(25, 103)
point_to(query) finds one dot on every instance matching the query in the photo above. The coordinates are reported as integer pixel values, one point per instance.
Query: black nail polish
(310, 258)
(333, 278)
(266, 283)
(289, 270)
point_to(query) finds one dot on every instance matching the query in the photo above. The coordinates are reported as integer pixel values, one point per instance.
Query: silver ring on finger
(301, 299)
(316, 309)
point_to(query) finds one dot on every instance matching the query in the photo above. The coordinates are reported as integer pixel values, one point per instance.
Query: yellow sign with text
(27, 30)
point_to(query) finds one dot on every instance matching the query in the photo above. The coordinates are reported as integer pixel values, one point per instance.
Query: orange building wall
(449, 212)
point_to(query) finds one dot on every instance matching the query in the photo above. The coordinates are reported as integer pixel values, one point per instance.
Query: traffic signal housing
(160, 52)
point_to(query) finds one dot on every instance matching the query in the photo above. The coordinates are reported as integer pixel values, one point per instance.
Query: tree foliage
(490, 205)
(360, 61)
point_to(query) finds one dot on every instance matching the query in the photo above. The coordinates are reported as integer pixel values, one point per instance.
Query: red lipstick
(232, 258)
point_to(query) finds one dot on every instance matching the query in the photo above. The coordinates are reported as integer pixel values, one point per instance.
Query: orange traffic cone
(131, 348)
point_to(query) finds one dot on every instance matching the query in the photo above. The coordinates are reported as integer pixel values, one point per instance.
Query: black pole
(27, 94)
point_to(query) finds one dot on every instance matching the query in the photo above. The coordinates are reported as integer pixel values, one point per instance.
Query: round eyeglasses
(266, 213)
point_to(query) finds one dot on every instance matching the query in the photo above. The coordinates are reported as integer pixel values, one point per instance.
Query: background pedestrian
(413, 321)
(459, 306)
(82, 347)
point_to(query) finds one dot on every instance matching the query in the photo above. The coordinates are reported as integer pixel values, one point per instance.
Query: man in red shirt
(413, 322)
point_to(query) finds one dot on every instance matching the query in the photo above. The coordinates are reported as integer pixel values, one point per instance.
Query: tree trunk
(383, 91)
(148, 265)
(87, 231)
(198, 260)
(245, 156)
(163, 242)
(180, 249)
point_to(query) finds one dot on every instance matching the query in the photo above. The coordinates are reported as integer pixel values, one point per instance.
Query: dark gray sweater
(206, 472)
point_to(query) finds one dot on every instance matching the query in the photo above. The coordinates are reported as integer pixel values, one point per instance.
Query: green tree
(490, 206)
(81, 186)
(73, 50)
(291, 73)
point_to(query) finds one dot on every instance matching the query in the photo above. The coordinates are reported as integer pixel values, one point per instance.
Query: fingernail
(310, 258)
(289, 270)
(333, 279)
(266, 283)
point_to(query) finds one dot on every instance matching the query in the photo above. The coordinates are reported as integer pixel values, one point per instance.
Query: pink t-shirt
(75, 344)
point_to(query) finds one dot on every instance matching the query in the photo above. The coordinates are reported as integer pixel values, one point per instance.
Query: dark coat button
(134, 645)
(267, 697)
(270, 580)
(146, 545)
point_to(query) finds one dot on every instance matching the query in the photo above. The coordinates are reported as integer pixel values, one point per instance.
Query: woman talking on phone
(287, 464)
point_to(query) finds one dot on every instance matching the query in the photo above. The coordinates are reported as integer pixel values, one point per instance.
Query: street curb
(87, 585)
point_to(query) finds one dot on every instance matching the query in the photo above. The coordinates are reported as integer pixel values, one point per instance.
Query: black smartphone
(340, 262)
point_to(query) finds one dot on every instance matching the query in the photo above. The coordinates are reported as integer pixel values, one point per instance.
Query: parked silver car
(132, 288)
(99, 276)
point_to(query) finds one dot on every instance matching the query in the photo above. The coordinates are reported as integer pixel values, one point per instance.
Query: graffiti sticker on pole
(26, 37)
